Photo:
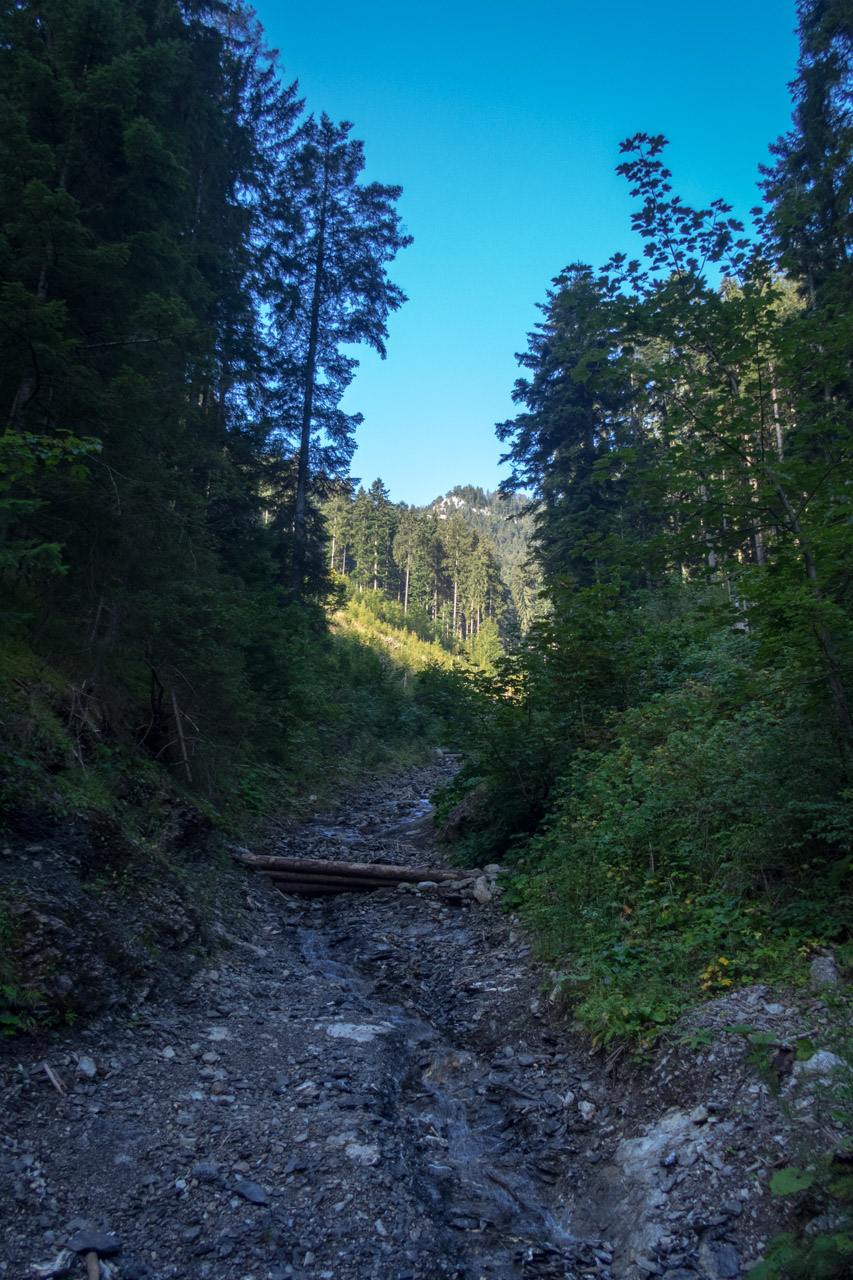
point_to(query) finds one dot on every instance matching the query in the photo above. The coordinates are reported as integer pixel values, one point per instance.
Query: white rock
(168, 1052)
(823, 1064)
(587, 1109)
(359, 1031)
(341, 1139)
(482, 892)
(86, 1067)
(362, 1152)
(823, 972)
(639, 1156)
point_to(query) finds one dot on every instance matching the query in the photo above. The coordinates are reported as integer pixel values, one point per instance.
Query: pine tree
(405, 549)
(570, 445)
(329, 288)
(810, 185)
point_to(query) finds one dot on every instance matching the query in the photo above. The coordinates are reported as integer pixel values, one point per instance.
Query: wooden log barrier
(310, 887)
(375, 870)
(314, 875)
(335, 884)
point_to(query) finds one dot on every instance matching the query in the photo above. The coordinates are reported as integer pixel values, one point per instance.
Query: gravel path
(376, 1087)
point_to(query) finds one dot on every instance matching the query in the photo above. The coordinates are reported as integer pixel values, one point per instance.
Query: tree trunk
(777, 421)
(334, 537)
(303, 460)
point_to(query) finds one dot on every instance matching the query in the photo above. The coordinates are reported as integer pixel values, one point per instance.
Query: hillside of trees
(668, 759)
(459, 564)
(187, 258)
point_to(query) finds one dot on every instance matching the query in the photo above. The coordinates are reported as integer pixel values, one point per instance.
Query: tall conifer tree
(330, 288)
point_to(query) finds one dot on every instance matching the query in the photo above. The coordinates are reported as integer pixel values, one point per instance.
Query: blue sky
(503, 123)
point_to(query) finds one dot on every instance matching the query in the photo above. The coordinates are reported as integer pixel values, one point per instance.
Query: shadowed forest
(644, 640)
(641, 647)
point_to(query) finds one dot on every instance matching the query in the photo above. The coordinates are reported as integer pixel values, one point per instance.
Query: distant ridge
(505, 521)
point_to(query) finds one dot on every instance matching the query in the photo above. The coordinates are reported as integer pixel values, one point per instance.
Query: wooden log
(334, 882)
(318, 887)
(318, 866)
(285, 873)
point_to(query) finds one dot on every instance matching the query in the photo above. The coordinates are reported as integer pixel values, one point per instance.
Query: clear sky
(502, 122)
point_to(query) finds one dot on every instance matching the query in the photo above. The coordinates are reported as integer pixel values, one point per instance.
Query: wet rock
(378, 1074)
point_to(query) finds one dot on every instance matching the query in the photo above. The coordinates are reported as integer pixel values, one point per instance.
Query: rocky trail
(378, 1087)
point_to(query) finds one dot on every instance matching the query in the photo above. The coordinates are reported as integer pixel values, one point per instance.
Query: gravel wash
(371, 1087)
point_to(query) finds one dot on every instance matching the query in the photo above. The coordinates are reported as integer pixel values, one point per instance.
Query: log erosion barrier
(314, 876)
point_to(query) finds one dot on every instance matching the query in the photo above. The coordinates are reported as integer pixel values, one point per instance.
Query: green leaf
(780, 1252)
(788, 1181)
(805, 1050)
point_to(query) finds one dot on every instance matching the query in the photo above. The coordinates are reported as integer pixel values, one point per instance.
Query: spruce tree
(810, 184)
(329, 288)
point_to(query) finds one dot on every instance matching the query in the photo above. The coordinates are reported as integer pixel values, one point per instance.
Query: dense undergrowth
(677, 817)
